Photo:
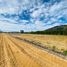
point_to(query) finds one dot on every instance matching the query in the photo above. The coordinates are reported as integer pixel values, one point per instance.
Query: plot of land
(17, 51)
(59, 41)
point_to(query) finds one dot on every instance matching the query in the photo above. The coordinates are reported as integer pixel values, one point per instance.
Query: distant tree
(22, 31)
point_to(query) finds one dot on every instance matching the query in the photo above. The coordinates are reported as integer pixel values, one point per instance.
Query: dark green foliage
(22, 31)
(65, 52)
(58, 30)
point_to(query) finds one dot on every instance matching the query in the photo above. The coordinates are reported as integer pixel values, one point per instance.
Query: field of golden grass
(59, 41)
(15, 51)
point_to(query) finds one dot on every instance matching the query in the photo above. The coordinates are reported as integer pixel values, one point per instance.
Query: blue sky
(32, 15)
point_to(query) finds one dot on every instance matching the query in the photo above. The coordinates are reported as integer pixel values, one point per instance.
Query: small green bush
(65, 52)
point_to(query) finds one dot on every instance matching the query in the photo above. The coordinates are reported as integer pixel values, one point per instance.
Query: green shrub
(65, 52)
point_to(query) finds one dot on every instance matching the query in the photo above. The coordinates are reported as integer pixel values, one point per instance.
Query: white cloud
(42, 15)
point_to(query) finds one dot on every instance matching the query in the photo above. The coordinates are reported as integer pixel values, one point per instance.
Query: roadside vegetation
(65, 52)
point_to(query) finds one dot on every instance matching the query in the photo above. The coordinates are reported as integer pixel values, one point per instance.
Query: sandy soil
(18, 53)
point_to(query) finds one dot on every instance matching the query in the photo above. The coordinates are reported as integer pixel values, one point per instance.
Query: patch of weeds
(54, 48)
(62, 49)
(65, 52)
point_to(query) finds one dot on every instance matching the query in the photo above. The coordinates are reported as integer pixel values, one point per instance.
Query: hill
(58, 30)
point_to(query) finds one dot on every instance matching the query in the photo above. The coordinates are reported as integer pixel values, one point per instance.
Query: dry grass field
(15, 51)
(59, 41)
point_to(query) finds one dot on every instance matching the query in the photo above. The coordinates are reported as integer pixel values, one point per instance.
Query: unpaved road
(18, 53)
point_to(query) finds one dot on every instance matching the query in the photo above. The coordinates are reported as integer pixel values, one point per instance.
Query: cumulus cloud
(32, 15)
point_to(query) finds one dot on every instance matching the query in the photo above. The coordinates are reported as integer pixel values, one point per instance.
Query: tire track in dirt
(2, 55)
(39, 58)
(59, 61)
(11, 56)
(7, 59)
(43, 58)
(23, 50)
(26, 54)
(4, 47)
(40, 46)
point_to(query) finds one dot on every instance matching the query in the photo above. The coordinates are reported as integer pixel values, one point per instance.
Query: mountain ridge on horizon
(58, 30)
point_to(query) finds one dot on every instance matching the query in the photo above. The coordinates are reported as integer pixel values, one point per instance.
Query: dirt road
(18, 53)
